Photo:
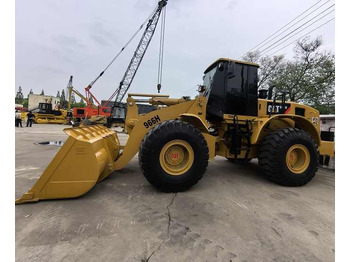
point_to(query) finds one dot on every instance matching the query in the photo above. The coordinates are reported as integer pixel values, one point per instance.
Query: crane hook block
(159, 86)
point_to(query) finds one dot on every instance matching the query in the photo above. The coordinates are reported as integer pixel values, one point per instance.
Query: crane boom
(71, 90)
(140, 51)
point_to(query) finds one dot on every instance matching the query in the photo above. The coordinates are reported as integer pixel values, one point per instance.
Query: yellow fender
(304, 124)
(195, 121)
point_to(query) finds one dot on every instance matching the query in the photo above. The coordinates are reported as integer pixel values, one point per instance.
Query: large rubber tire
(272, 156)
(152, 145)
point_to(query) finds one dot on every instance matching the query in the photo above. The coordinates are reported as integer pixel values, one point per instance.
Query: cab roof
(229, 60)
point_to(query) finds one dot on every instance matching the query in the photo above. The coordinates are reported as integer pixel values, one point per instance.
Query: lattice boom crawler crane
(175, 141)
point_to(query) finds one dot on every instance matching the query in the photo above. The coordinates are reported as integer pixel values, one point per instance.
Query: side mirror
(221, 67)
(201, 88)
(263, 93)
(231, 69)
(270, 92)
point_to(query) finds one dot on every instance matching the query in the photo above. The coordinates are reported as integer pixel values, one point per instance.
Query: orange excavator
(91, 109)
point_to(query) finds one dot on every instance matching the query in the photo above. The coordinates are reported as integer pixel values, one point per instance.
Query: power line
(266, 50)
(294, 24)
(299, 27)
(285, 26)
(303, 36)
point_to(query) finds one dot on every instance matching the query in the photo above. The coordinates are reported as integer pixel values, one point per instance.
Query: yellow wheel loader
(175, 141)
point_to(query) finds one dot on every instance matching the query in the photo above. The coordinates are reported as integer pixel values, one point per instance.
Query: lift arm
(72, 90)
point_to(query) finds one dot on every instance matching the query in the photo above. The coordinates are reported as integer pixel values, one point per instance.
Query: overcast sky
(59, 38)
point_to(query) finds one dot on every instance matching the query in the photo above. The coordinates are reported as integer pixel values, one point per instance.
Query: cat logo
(277, 108)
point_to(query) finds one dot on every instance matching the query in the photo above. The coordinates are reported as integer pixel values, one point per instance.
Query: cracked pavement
(232, 214)
(168, 230)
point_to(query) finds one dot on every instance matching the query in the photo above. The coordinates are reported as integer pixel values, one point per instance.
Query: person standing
(18, 118)
(30, 118)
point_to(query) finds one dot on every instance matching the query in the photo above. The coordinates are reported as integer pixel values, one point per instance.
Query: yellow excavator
(229, 117)
(72, 90)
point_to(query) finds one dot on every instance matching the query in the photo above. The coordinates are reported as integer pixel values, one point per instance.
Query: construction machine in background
(102, 114)
(91, 109)
(118, 113)
(45, 114)
(115, 115)
(174, 142)
(97, 112)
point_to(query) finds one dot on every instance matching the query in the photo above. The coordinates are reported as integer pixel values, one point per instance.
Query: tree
(80, 104)
(19, 96)
(269, 68)
(309, 78)
(58, 94)
(63, 101)
(25, 102)
(42, 93)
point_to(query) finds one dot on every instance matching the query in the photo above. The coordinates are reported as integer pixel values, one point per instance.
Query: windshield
(208, 79)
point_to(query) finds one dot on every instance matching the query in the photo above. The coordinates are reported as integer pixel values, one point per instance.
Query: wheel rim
(298, 158)
(176, 157)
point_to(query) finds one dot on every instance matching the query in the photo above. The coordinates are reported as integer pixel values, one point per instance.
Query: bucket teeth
(87, 157)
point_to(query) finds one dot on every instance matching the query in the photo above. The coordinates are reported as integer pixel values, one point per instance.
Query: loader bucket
(87, 157)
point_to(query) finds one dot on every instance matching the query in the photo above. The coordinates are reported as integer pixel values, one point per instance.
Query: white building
(34, 100)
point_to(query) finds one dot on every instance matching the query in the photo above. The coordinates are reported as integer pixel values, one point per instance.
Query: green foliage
(309, 78)
(270, 67)
(42, 92)
(19, 96)
(25, 102)
(63, 101)
(81, 103)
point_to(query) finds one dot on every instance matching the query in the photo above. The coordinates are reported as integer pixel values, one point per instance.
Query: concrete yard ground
(232, 214)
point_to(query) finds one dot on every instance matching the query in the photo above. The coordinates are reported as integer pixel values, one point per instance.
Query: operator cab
(231, 87)
(46, 108)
